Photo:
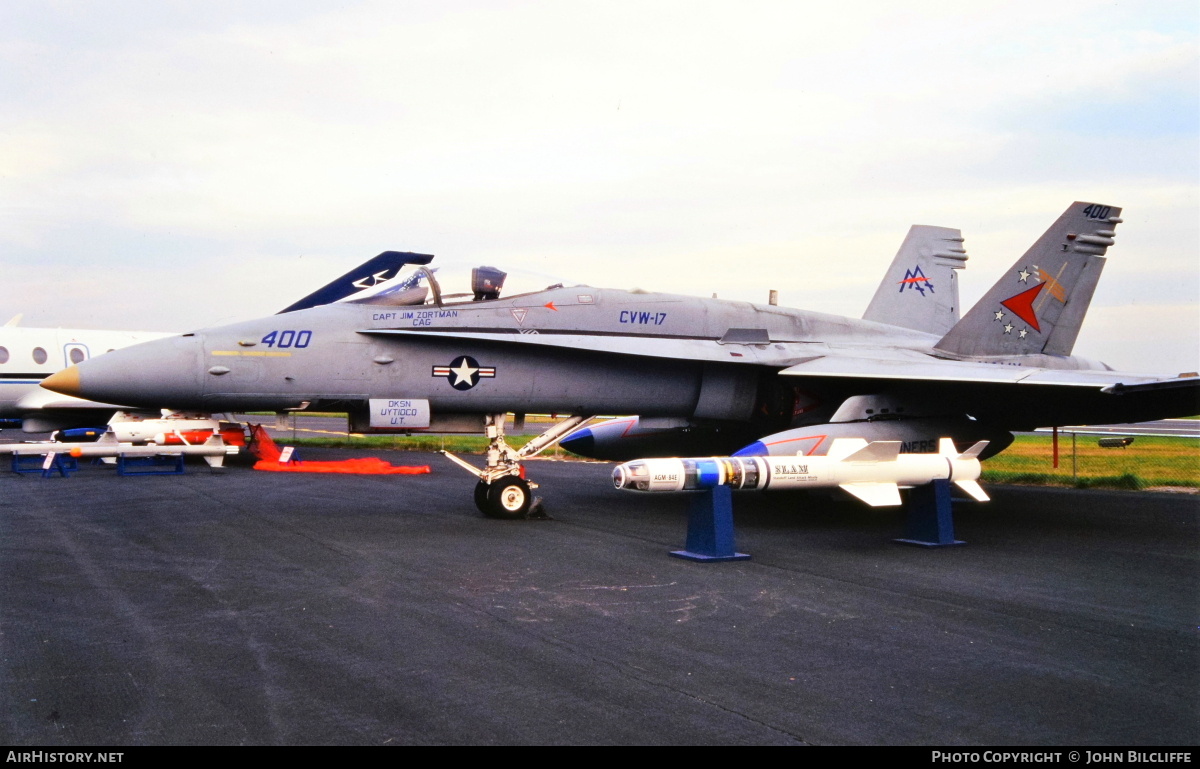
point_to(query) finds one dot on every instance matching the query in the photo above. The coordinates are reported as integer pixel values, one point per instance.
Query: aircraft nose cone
(157, 374)
(65, 381)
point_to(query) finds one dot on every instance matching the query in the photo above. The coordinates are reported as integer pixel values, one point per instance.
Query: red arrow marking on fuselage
(1022, 305)
(550, 306)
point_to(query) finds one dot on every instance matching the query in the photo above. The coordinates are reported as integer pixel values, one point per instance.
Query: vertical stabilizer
(920, 289)
(371, 272)
(1039, 304)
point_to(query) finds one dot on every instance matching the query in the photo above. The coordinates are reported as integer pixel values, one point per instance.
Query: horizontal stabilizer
(1188, 381)
(875, 494)
(974, 489)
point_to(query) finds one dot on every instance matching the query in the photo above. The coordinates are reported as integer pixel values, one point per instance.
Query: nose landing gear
(503, 491)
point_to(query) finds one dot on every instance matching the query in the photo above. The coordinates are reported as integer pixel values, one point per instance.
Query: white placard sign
(399, 413)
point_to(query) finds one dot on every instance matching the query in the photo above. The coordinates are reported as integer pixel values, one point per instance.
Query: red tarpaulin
(268, 454)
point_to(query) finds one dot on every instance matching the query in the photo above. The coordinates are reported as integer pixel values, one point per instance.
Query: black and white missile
(873, 472)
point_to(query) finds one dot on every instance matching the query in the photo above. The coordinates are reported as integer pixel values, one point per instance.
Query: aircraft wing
(929, 368)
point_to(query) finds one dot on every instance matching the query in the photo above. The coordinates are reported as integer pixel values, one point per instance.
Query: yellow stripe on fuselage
(254, 353)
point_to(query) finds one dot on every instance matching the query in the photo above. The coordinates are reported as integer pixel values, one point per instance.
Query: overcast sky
(173, 165)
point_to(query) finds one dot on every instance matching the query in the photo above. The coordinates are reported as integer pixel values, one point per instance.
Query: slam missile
(873, 472)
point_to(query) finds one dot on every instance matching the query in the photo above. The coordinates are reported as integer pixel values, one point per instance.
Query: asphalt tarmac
(259, 608)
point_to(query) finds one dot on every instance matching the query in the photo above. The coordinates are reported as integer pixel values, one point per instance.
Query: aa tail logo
(915, 279)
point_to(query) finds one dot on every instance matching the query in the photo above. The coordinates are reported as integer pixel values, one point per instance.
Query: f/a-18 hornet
(711, 375)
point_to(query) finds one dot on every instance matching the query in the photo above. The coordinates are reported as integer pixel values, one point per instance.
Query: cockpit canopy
(453, 283)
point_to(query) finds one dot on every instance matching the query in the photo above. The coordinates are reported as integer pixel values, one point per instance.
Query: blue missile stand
(171, 464)
(930, 521)
(710, 528)
(63, 464)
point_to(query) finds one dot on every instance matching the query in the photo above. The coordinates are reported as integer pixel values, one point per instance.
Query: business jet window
(39, 355)
(77, 355)
(3, 355)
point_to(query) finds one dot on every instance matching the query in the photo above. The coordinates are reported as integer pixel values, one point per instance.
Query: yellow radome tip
(65, 381)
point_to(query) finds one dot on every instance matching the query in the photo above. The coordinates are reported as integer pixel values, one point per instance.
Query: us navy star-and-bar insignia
(464, 372)
(915, 279)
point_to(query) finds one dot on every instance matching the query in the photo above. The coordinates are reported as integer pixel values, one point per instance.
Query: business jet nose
(158, 374)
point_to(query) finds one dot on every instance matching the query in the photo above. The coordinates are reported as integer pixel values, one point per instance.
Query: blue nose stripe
(756, 449)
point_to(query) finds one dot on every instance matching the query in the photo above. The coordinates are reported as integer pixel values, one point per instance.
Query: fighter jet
(422, 352)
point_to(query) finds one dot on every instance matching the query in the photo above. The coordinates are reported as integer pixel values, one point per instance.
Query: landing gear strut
(502, 491)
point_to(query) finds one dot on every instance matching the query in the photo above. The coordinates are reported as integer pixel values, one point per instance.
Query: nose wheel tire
(481, 496)
(507, 499)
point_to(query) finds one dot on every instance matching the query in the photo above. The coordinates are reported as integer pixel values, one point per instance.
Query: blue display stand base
(710, 528)
(63, 464)
(930, 521)
(158, 465)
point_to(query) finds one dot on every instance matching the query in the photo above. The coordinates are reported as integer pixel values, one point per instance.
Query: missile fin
(946, 447)
(974, 489)
(875, 494)
(844, 447)
(974, 451)
(876, 451)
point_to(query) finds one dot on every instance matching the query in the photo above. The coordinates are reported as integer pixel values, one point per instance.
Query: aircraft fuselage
(613, 352)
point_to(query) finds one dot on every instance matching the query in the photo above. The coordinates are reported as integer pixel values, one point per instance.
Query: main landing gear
(502, 491)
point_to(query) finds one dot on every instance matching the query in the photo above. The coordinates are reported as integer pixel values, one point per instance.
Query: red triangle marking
(1022, 305)
(550, 305)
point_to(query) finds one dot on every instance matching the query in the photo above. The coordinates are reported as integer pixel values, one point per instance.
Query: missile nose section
(65, 382)
(632, 475)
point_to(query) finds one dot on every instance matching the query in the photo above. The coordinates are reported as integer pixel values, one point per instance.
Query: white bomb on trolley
(873, 472)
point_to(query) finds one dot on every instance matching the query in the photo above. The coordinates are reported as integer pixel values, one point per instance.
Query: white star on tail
(377, 278)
